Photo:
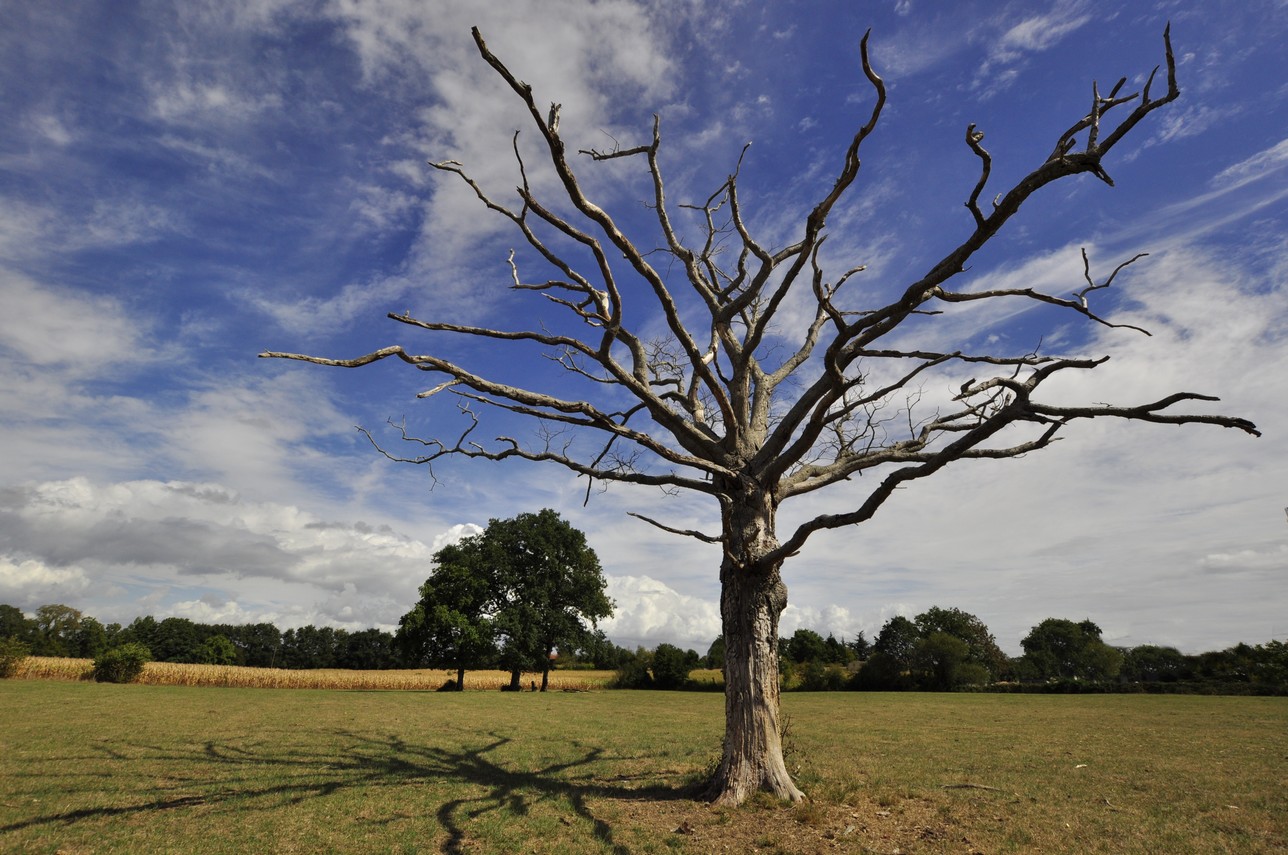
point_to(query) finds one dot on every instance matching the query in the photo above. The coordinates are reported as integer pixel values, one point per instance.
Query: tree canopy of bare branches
(731, 405)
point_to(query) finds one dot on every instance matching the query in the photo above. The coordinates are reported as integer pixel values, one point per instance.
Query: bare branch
(705, 538)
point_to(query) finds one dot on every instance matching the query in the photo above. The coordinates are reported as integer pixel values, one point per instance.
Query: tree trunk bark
(460, 679)
(752, 598)
(515, 676)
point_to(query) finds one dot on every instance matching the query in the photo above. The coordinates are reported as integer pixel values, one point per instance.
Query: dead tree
(731, 405)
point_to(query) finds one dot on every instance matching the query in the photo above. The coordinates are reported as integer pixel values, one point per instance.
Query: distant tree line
(59, 630)
(951, 650)
(938, 650)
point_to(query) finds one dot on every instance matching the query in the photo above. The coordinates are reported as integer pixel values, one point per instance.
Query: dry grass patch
(104, 768)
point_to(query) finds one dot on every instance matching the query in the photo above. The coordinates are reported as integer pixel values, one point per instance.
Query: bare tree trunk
(545, 669)
(752, 598)
(750, 605)
(460, 678)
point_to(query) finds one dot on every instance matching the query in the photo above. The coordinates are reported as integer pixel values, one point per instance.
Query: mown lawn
(102, 768)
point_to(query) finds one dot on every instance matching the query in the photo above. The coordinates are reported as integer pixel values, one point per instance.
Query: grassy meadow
(87, 767)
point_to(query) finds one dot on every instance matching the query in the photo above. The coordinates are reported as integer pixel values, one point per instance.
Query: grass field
(88, 767)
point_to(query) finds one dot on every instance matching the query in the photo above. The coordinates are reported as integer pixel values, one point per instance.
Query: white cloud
(1011, 51)
(31, 581)
(81, 333)
(1259, 167)
(650, 612)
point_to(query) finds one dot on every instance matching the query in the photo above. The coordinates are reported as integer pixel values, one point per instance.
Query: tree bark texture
(750, 605)
(752, 599)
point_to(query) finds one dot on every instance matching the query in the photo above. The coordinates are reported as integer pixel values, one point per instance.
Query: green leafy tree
(1063, 649)
(982, 649)
(898, 640)
(604, 654)
(451, 625)
(549, 589)
(57, 626)
(528, 585)
(15, 624)
(90, 638)
(744, 368)
(806, 645)
(860, 647)
(671, 667)
(310, 647)
(1150, 663)
(368, 650)
(636, 671)
(715, 657)
(837, 652)
(176, 639)
(938, 661)
(259, 645)
(216, 650)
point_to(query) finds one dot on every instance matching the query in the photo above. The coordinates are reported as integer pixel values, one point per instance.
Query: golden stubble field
(234, 676)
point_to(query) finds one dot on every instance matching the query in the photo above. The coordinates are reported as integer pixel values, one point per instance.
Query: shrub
(121, 664)
(634, 675)
(12, 652)
(670, 667)
(823, 677)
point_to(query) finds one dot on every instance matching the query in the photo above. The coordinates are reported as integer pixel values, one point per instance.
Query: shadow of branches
(476, 780)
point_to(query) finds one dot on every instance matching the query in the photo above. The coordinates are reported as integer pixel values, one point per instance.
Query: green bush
(823, 677)
(121, 664)
(12, 652)
(670, 667)
(634, 674)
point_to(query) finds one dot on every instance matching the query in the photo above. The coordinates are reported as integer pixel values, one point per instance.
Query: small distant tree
(702, 357)
(981, 647)
(938, 661)
(806, 645)
(636, 671)
(216, 650)
(368, 650)
(57, 626)
(259, 645)
(1150, 663)
(715, 657)
(15, 624)
(1063, 649)
(860, 647)
(90, 638)
(898, 640)
(671, 667)
(603, 653)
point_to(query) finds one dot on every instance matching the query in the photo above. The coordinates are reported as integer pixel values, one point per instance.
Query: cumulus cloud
(30, 581)
(650, 612)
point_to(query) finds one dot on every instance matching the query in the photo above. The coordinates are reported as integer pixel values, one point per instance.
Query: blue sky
(185, 185)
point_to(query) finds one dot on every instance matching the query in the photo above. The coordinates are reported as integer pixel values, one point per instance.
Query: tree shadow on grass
(263, 777)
